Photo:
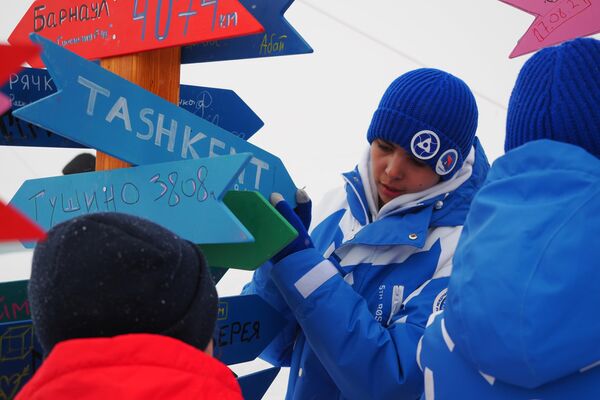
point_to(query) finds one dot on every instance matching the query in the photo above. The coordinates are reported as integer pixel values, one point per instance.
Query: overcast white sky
(317, 107)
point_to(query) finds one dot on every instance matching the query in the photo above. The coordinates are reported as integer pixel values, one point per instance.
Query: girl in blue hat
(357, 293)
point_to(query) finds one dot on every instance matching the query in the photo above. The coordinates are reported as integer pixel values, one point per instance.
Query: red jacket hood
(137, 366)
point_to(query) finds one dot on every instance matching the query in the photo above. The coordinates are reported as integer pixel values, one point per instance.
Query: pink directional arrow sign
(556, 21)
(105, 28)
(5, 103)
(12, 57)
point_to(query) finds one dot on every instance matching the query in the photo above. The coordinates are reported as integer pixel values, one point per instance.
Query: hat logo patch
(425, 145)
(446, 162)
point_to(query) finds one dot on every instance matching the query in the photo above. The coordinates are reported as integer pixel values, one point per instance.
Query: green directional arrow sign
(271, 232)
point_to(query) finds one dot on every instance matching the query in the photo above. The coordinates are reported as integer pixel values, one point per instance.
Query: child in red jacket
(124, 309)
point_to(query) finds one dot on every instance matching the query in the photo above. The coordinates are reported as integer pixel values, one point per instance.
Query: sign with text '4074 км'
(106, 28)
(104, 111)
(279, 38)
(222, 107)
(555, 22)
(184, 196)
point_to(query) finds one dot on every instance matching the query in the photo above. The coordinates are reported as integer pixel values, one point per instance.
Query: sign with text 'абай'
(246, 326)
(183, 196)
(556, 21)
(104, 111)
(106, 28)
(221, 107)
(278, 39)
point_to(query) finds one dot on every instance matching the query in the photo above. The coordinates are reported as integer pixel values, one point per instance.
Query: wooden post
(157, 71)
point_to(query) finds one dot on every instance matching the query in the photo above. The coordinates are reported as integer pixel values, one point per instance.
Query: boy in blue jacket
(358, 292)
(521, 316)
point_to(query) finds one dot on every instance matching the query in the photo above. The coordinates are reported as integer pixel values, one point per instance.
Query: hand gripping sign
(174, 195)
(221, 107)
(556, 21)
(278, 39)
(106, 28)
(104, 111)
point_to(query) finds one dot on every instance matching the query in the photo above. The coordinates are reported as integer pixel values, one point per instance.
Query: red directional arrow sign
(105, 28)
(15, 226)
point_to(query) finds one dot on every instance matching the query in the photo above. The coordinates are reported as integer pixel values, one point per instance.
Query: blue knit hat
(431, 114)
(557, 97)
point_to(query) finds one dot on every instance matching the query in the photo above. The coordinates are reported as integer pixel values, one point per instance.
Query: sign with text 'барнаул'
(183, 196)
(221, 107)
(278, 39)
(106, 28)
(556, 22)
(104, 111)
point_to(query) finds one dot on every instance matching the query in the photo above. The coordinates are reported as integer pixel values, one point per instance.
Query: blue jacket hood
(523, 298)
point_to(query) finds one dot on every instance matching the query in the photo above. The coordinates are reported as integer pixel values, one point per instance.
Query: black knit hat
(107, 274)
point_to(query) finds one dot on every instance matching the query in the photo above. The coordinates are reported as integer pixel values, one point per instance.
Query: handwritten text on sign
(221, 107)
(104, 28)
(104, 111)
(279, 39)
(247, 324)
(170, 194)
(556, 21)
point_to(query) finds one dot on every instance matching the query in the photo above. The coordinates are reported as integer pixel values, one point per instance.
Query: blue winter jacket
(521, 317)
(358, 303)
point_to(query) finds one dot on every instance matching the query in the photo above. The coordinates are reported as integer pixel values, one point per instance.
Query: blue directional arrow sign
(27, 86)
(174, 195)
(20, 352)
(246, 325)
(104, 111)
(279, 39)
(254, 386)
(222, 107)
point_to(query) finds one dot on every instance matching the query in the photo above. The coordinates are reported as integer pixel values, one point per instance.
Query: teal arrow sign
(183, 196)
(104, 111)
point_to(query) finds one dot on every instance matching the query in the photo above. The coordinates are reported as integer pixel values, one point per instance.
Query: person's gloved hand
(303, 241)
(303, 207)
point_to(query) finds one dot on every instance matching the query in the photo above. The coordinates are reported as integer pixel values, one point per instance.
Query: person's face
(397, 172)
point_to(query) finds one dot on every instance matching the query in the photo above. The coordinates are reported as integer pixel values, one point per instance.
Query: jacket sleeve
(279, 351)
(365, 359)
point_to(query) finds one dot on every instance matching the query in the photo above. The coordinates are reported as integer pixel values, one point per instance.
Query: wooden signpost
(112, 113)
(556, 22)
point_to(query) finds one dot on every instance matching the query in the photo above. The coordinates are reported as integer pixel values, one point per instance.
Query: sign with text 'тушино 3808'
(175, 195)
(104, 111)
(222, 107)
(105, 28)
(556, 21)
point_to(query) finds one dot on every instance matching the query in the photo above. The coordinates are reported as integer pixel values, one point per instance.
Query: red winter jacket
(132, 367)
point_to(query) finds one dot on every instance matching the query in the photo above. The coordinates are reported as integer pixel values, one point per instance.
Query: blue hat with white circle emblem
(431, 114)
